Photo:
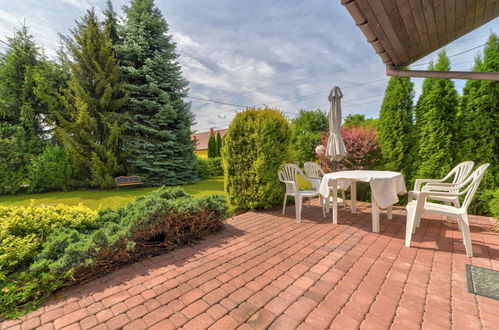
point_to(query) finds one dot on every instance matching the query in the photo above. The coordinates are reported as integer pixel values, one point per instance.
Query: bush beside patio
(67, 245)
(257, 143)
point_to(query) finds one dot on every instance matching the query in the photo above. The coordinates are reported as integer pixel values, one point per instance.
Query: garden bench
(122, 181)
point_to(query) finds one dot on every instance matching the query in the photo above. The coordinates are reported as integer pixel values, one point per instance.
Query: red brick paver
(266, 271)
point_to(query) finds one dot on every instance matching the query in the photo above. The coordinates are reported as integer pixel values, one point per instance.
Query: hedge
(68, 254)
(257, 143)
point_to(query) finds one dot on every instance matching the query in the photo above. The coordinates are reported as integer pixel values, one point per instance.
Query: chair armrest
(426, 194)
(430, 188)
(419, 182)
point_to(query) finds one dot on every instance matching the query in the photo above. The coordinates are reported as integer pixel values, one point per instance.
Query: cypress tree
(219, 144)
(435, 124)
(158, 135)
(90, 122)
(479, 116)
(212, 147)
(395, 126)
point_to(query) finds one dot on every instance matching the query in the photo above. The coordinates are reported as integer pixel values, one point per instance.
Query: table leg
(353, 196)
(335, 201)
(375, 214)
(389, 212)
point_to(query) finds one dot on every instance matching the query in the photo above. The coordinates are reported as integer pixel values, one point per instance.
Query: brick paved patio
(266, 271)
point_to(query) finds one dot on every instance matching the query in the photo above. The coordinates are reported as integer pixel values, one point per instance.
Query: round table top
(362, 175)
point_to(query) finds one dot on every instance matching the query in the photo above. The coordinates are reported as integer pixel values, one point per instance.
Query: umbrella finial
(335, 93)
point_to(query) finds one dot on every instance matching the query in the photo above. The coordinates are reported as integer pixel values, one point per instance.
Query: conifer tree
(395, 126)
(90, 122)
(479, 116)
(219, 144)
(435, 124)
(212, 147)
(111, 22)
(158, 136)
(21, 114)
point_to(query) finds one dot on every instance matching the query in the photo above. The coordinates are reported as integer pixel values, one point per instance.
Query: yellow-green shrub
(23, 230)
(257, 143)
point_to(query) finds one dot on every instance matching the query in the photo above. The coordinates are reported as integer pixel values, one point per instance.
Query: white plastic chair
(315, 173)
(289, 175)
(459, 173)
(417, 207)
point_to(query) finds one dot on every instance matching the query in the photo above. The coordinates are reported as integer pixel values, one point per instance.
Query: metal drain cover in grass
(483, 281)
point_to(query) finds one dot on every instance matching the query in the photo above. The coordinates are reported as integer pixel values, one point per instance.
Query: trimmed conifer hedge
(257, 143)
(76, 244)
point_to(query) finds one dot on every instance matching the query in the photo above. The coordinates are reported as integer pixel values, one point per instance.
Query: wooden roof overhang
(404, 31)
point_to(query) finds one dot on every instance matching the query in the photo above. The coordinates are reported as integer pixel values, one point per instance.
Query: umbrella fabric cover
(335, 147)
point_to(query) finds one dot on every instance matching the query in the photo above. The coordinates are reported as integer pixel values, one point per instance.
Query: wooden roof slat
(450, 19)
(470, 14)
(479, 10)
(440, 20)
(460, 17)
(489, 10)
(406, 13)
(376, 28)
(386, 25)
(403, 31)
(400, 26)
(417, 13)
(431, 26)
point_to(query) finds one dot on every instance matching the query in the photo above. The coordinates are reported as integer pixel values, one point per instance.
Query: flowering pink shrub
(363, 150)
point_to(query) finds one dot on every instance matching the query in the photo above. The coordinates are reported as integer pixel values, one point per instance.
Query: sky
(285, 54)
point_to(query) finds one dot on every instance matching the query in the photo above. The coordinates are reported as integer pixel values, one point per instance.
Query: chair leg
(321, 200)
(409, 225)
(284, 205)
(343, 198)
(298, 205)
(449, 219)
(465, 231)
(417, 219)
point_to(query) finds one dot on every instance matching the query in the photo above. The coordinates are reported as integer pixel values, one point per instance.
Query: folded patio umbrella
(335, 147)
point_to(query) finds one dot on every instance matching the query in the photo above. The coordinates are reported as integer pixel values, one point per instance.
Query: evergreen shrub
(203, 168)
(76, 244)
(215, 166)
(50, 170)
(257, 143)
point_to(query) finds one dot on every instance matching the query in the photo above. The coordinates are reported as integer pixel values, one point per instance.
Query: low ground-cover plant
(153, 224)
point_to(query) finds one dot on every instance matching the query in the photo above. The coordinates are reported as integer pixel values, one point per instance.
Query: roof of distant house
(202, 138)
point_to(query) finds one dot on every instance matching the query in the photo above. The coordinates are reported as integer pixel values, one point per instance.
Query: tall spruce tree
(435, 124)
(90, 122)
(479, 116)
(395, 126)
(158, 136)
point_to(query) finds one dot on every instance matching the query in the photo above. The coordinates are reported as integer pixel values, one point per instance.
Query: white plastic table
(385, 186)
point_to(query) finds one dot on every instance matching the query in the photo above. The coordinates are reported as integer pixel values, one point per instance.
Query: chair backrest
(313, 170)
(460, 172)
(289, 173)
(472, 183)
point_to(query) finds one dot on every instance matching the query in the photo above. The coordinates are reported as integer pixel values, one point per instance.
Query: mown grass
(97, 199)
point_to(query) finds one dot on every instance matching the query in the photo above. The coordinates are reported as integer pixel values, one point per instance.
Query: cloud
(285, 54)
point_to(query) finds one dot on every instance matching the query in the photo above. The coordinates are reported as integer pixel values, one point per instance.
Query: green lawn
(96, 199)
